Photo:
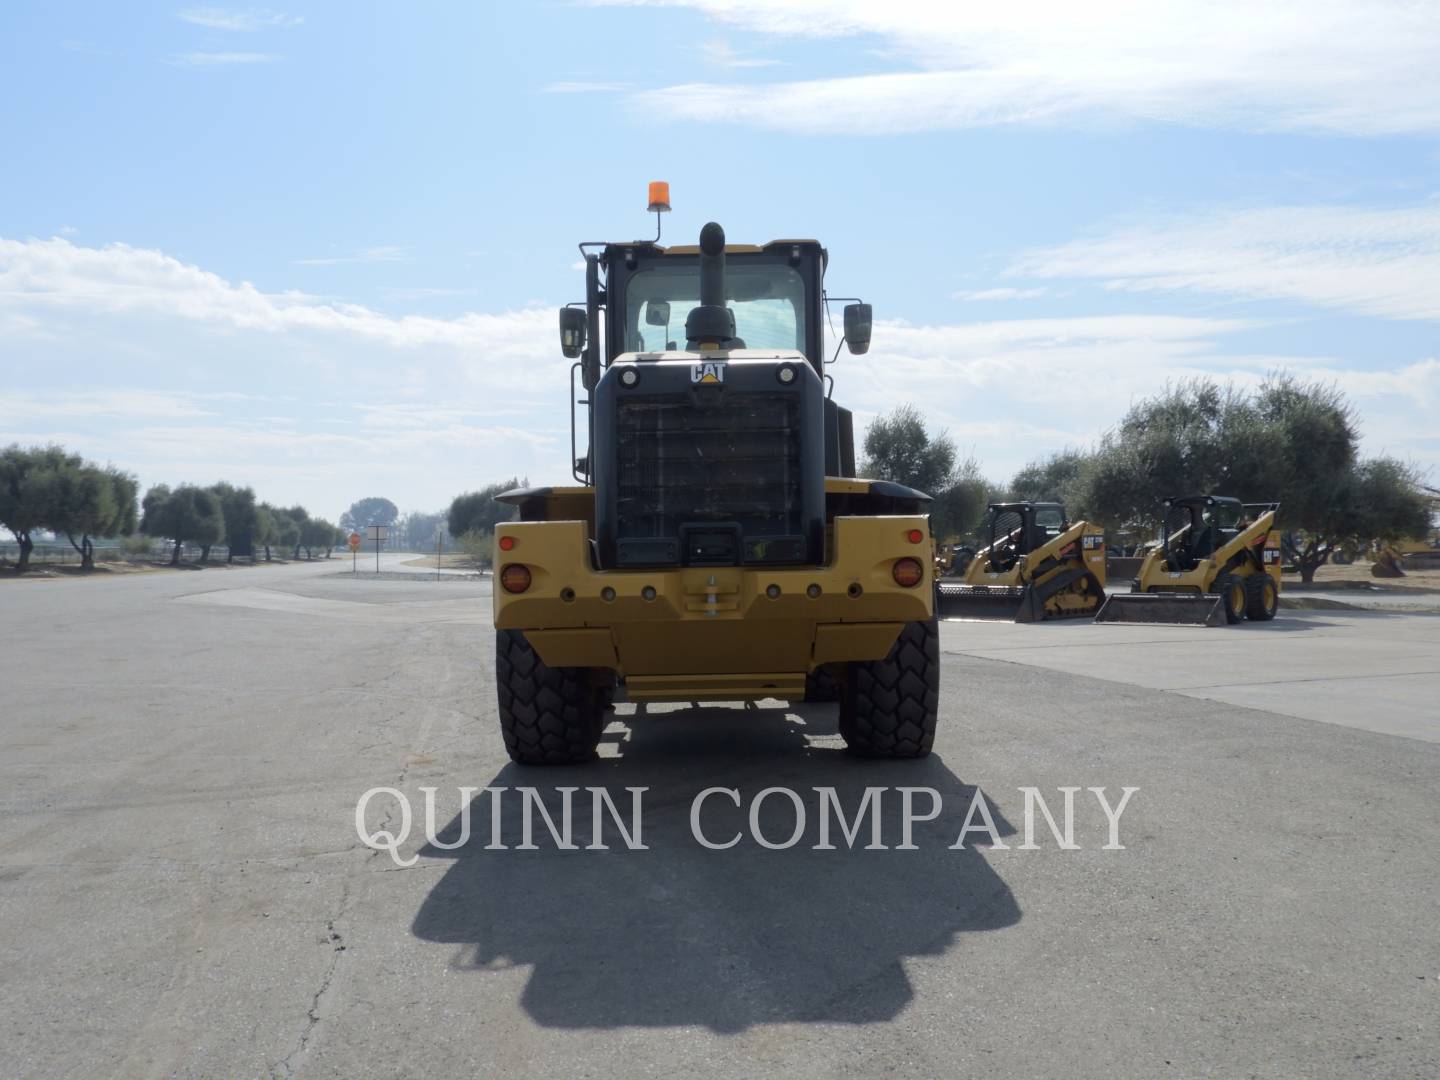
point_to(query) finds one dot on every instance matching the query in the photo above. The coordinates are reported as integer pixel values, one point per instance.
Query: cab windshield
(768, 300)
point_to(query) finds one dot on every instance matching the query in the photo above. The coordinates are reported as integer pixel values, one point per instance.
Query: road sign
(376, 533)
(354, 541)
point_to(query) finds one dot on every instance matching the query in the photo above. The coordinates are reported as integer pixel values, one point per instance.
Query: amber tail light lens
(907, 572)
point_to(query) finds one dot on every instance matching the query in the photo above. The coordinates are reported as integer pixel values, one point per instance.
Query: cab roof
(771, 248)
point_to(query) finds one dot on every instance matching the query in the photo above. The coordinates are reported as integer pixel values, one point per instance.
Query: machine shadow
(682, 935)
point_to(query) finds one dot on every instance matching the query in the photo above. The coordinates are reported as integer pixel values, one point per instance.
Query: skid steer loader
(1036, 566)
(1218, 562)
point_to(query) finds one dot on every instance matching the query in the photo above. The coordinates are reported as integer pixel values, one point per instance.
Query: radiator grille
(737, 460)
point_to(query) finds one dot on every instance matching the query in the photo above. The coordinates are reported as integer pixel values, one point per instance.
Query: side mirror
(857, 328)
(572, 332)
(657, 312)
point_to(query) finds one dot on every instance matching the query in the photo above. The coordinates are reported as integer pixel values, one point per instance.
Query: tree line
(1288, 440)
(51, 489)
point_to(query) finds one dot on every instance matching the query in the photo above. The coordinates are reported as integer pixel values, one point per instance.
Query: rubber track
(890, 706)
(548, 716)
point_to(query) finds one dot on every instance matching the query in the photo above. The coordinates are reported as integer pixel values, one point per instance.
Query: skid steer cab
(1035, 565)
(1218, 563)
(717, 545)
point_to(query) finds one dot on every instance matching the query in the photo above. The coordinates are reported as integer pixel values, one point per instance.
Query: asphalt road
(183, 892)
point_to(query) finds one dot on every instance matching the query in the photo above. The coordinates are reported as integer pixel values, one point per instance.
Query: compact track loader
(1218, 562)
(717, 545)
(1037, 566)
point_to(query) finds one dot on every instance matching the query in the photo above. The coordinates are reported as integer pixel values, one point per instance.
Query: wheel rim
(1237, 597)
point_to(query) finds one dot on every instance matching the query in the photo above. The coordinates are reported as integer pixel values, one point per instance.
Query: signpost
(354, 541)
(377, 533)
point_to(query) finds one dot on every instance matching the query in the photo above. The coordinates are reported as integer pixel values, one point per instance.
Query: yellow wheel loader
(717, 545)
(1037, 566)
(1218, 562)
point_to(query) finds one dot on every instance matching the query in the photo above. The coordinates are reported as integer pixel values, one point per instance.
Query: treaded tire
(1233, 595)
(889, 708)
(548, 716)
(820, 685)
(1261, 598)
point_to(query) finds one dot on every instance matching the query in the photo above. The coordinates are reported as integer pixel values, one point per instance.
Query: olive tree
(241, 514)
(1052, 479)
(899, 447)
(88, 501)
(265, 533)
(1290, 441)
(46, 487)
(186, 513)
(318, 534)
(27, 477)
(477, 511)
(289, 527)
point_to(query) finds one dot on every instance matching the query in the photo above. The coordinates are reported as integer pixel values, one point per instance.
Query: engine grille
(734, 460)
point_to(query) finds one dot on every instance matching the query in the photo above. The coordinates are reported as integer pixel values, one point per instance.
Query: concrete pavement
(184, 894)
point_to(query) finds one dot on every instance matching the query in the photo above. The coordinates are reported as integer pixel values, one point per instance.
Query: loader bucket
(978, 602)
(1167, 609)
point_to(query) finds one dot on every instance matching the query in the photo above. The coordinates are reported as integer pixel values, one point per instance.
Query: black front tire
(1233, 595)
(889, 708)
(548, 716)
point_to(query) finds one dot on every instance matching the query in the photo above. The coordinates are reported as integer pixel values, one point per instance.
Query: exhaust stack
(712, 324)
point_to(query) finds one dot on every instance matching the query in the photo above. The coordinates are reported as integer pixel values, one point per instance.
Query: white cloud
(1017, 389)
(719, 53)
(430, 406)
(222, 59)
(17, 407)
(46, 275)
(1382, 262)
(231, 20)
(1002, 294)
(1330, 66)
(382, 254)
(422, 292)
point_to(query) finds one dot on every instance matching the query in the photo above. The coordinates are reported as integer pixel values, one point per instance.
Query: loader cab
(772, 294)
(1018, 528)
(1197, 526)
(711, 425)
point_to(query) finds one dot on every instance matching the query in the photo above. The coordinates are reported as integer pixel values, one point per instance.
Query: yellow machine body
(1222, 587)
(1062, 574)
(710, 633)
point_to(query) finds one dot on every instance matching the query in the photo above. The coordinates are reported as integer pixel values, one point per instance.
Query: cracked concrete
(285, 1067)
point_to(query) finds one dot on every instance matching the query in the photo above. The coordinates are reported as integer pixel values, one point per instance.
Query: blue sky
(317, 248)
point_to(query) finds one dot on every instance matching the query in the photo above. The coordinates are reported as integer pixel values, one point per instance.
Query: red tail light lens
(515, 578)
(908, 572)
(507, 543)
(915, 536)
